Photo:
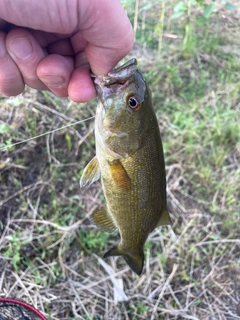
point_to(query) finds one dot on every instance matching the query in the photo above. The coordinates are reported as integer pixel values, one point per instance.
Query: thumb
(108, 33)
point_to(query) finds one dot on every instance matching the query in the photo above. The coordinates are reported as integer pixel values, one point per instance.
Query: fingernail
(53, 81)
(21, 47)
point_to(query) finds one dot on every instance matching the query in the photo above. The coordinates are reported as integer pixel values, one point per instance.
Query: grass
(50, 254)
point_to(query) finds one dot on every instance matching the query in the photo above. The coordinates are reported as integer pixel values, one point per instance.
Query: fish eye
(133, 104)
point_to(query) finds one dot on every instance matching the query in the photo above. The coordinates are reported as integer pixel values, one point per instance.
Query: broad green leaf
(177, 15)
(230, 6)
(147, 6)
(180, 7)
(208, 10)
(201, 20)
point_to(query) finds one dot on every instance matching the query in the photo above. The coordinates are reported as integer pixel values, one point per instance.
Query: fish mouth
(115, 79)
(119, 84)
(121, 74)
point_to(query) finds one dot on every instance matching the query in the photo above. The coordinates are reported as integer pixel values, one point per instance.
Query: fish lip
(122, 73)
(117, 80)
(118, 75)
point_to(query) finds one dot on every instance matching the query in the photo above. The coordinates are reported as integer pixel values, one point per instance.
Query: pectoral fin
(103, 220)
(120, 175)
(91, 173)
(165, 219)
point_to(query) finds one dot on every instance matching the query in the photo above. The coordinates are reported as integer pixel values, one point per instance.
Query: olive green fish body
(129, 158)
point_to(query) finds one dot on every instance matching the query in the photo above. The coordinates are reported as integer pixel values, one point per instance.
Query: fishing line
(45, 133)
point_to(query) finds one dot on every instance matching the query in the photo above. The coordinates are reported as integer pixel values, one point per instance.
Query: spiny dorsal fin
(120, 175)
(91, 173)
(164, 219)
(103, 220)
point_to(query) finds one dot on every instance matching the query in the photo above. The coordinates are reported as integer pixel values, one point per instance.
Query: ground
(51, 255)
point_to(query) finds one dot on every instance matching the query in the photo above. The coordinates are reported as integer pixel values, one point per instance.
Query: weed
(93, 241)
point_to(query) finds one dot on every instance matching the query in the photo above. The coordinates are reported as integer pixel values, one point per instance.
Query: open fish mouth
(118, 80)
(118, 75)
(121, 74)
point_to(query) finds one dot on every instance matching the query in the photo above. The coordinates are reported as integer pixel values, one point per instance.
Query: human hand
(52, 44)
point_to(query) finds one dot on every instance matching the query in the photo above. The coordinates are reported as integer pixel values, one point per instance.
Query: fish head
(121, 118)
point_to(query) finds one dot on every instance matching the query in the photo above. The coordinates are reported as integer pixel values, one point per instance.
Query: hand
(52, 44)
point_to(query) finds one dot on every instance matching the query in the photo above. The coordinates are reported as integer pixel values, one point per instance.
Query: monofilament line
(45, 133)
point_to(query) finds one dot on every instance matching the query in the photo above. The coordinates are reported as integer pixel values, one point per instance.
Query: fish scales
(129, 159)
(130, 202)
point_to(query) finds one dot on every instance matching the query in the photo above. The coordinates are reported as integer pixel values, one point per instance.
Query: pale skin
(53, 44)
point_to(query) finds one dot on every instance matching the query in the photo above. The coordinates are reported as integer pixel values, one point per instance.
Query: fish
(130, 162)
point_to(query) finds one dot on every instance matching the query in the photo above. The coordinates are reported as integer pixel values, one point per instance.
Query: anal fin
(103, 220)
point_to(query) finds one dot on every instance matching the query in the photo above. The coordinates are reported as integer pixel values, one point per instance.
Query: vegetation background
(50, 255)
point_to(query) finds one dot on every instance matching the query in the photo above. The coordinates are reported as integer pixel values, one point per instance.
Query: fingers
(23, 61)
(101, 29)
(55, 72)
(2, 23)
(59, 75)
(58, 16)
(26, 53)
(62, 47)
(11, 82)
(81, 87)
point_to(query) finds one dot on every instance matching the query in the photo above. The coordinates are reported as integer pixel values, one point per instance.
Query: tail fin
(134, 260)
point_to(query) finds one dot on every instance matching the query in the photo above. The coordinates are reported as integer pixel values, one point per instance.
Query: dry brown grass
(194, 275)
(190, 274)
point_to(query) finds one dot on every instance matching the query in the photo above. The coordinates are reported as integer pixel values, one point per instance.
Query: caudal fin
(134, 260)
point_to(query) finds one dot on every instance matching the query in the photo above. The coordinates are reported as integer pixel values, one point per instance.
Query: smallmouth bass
(130, 161)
